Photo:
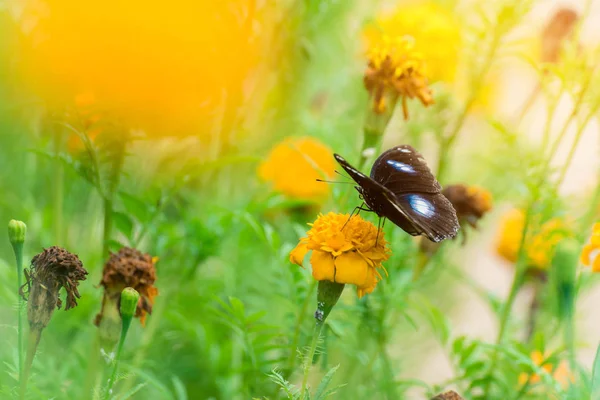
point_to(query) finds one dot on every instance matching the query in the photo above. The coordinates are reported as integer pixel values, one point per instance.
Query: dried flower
(470, 202)
(344, 250)
(449, 395)
(51, 270)
(128, 268)
(591, 250)
(539, 247)
(560, 373)
(294, 165)
(395, 70)
(558, 29)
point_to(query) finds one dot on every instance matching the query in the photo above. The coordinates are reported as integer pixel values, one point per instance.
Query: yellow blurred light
(164, 66)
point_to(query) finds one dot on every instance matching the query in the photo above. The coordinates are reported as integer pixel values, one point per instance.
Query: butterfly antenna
(323, 180)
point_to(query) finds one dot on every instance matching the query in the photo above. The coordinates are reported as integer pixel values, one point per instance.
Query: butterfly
(403, 189)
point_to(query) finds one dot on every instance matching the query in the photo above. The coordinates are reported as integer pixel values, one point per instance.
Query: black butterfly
(403, 189)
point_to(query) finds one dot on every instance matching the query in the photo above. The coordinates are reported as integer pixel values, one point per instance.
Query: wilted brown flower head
(556, 32)
(129, 268)
(470, 202)
(449, 395)
(51, 270)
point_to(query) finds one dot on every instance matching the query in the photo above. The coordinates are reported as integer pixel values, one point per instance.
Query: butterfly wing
(431, 213)
(379, 199)
(402, 169)
(405, 173)
(421, 211)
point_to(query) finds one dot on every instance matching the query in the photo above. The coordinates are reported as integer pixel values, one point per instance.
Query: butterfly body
(402, 188)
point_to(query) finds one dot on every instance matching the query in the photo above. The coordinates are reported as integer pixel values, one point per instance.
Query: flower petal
(352, 268)
(297, 255)
(585, 254)
(322, 266)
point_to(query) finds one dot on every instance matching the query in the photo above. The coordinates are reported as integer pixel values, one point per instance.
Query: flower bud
(129, 302)
(564, 276)
(328, 294)
(16, 231)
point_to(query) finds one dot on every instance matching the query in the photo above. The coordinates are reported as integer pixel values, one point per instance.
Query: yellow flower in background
(434, 31)
(344, 250)
(294, 165)
(395, 70)
(165, 69)
(560, 373)
(510, 234)
(538, 247)
(589, 255)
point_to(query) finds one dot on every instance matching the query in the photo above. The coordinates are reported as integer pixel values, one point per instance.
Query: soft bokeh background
(204, 90)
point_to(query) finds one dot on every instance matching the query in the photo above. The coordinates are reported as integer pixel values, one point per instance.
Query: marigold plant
(591, 250)
(294, 165)
(344, 250)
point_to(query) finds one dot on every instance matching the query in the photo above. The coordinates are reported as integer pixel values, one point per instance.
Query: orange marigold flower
(395, 70)
(435, 30)
(539, 247)
(294, 165)
(591, 250)
(344, 250)
(561, 372)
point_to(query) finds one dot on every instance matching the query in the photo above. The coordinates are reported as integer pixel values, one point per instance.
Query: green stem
(448, 142)
(58, 187)
(113, 375)
(32, 345)
(307, 300)
(310, 356)
(18, 250)
(520, 269)
(94, 362)
(108, 210)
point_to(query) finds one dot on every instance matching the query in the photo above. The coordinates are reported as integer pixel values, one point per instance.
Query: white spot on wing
(400, 166)
(405, 150)
(420, 205)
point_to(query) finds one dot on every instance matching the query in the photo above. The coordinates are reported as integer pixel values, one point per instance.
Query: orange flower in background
(433, 30)
(510, 234)
(294, 165)
(560, 373)
(591, 250)
(538, 247)
(395, 70)
(556, 32)
(163, 69)
(344, 250)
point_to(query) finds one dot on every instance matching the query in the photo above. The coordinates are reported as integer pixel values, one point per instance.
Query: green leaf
(135, 207)
(123, 223)
(319, 393)
(596, 377)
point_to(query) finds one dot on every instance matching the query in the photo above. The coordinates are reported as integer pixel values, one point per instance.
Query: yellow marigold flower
(510, 233)
(590, 252)
(539, 247)
(344, 250)
(294, 165)
(396, 70)
(561, 372)
(435, 31)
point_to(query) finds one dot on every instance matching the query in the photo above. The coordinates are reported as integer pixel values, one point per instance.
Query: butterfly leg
(359, 208)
